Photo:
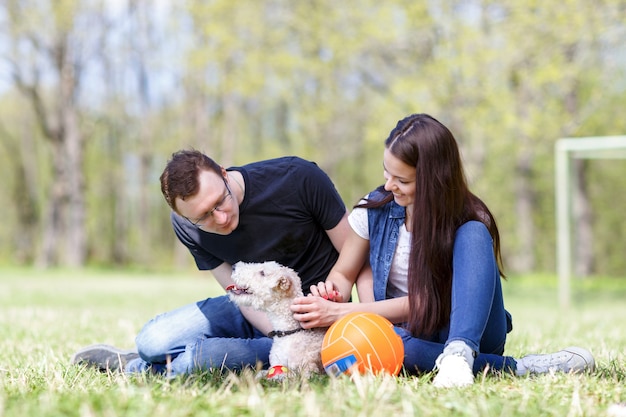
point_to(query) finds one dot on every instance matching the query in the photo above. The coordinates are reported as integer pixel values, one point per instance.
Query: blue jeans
(208, 334)
(477, 317)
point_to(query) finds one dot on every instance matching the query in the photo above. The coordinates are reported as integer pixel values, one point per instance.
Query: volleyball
(362, 342)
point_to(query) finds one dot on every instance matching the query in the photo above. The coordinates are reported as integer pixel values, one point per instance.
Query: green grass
(45, 316)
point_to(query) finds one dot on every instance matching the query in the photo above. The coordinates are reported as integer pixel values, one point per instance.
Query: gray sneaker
(572, 359)
(104, 357)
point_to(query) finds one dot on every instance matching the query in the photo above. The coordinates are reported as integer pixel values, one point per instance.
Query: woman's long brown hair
(442, 204)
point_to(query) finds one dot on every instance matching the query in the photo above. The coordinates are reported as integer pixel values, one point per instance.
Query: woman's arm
(318, 312)
(351, 262)
(365, 284)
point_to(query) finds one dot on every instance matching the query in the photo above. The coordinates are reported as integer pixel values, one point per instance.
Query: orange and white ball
(362, 342)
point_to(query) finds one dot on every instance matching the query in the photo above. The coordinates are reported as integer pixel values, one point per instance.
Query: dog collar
(283, 333)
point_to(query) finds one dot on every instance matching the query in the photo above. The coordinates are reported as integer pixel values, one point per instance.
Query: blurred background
(95, 95)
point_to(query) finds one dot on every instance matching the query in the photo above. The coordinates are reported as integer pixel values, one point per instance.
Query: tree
(46, 62)
(19, 154)
(116, 87)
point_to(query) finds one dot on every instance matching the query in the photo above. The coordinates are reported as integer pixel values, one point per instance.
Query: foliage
(45, 316)
(324, 80)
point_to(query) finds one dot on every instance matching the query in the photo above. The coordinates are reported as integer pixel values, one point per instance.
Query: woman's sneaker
(572, 359)
(104, 357)
(454, 366)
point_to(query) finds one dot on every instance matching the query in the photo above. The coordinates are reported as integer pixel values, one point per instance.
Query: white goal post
(567, 149)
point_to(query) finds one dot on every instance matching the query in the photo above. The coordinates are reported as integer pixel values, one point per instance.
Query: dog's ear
(284, 283)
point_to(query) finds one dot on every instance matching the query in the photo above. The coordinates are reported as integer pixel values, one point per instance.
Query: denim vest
(384, 228)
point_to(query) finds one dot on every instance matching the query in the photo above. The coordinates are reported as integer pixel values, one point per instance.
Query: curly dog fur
(271, 287)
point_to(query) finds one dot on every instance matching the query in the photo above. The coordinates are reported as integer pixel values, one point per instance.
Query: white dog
(271, 287)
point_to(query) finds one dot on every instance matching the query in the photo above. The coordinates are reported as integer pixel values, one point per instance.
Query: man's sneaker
(453, 366)
(572, 359)
(104, 357)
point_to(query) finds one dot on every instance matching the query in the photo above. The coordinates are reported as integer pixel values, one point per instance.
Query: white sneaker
(453, 367)
(572, 359)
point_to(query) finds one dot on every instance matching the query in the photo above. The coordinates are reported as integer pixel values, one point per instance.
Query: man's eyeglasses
(218, 207)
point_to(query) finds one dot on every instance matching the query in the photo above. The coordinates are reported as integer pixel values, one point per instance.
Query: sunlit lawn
(45, 316)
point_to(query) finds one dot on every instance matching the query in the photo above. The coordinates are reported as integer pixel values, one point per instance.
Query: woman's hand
(314, 311)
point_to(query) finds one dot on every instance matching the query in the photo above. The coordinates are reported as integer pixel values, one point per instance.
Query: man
(285, 210)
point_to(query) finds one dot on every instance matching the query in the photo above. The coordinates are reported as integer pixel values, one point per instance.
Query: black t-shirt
(288, 205)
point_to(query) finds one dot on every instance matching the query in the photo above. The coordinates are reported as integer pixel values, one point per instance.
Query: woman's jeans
(478, 317)
(209, 334)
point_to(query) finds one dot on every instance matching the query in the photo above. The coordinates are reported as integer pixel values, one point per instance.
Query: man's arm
(339, 233)
(257, 318)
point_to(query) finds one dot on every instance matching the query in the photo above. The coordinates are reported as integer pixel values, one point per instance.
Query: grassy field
(45, 316)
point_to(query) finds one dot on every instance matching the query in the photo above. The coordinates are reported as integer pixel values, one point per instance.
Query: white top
(397, 286)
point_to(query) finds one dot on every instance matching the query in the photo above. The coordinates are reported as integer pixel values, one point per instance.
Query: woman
(434, 250)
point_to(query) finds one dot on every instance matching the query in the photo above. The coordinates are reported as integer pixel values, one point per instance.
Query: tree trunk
(229, 130)
(523, 260)
(23, 192)
(64, 235)
(582, 211)
(52, 227)
(75, 253)
(583, 219)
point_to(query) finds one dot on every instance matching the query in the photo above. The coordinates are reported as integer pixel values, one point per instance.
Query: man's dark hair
(180, 176)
